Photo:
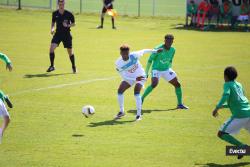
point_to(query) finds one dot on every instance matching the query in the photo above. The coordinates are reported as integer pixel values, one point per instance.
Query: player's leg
(72, 59)
(6, 119)
(137, 90)
(104, 10)
(233, 126)
(67, 43)
(54, 44)
(171, 77)
(122, 88)
(154, 83)
(113, 22)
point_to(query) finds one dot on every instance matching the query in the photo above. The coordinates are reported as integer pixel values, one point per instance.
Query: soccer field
(48, 129)
(124, 7)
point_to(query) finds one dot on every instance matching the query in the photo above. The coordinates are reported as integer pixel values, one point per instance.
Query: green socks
(147, 92)
(230, 139)
(178, 93)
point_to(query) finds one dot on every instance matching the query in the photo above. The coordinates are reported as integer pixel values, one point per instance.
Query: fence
(124, 7)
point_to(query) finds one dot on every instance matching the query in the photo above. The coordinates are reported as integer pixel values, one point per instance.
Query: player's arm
(150, 61)
(53, 23)
(5, 58)
(72, 21)
(223, 101)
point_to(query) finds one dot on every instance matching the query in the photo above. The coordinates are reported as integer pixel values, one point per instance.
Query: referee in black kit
(107, 4)
(64, 21)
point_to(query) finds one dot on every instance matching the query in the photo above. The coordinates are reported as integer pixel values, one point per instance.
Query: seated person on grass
(203, 9)
(192, 11)
(226, 12)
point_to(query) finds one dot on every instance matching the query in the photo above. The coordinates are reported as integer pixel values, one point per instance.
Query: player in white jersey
(132, 73)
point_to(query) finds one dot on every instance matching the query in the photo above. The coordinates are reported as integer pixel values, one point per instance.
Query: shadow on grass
(109, 123)
(211, 29)
(77, 135)
(224, 165)
(151, 110)
(43, 75)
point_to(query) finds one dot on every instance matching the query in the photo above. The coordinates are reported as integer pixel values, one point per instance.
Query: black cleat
(138, 118)
(74, 70)
(114, 27)
(51, 68)
(119, 115)
(7, 100)
(99, 27)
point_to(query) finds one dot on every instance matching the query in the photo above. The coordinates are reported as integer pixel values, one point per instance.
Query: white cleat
(138, 118)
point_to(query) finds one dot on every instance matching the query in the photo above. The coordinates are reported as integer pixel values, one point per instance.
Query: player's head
(124, 50)
(245, 1)
(169, 39)
(230, 74)
(192, 1)
(61, 4)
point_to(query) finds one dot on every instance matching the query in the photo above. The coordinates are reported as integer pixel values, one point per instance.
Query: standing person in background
(244, 13)
(64, 20)
(192, 12)
(203, 9)
(107, 5)
(214, 12)
(226, 12)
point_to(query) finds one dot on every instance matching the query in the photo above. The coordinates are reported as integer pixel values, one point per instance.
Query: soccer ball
(88, 110)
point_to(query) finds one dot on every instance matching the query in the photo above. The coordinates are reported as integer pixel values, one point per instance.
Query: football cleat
(119, 115)
(51, 68)
(182, 107)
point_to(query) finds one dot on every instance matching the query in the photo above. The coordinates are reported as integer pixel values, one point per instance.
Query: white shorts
(234, 125)
(243, 17)
(132, 82)
(168, 75)
(3, 110)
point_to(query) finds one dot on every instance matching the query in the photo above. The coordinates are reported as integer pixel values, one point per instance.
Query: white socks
(121, 102)
(138, 104)
(137, 99)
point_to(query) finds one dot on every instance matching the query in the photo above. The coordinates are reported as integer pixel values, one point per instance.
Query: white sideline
(63, 85)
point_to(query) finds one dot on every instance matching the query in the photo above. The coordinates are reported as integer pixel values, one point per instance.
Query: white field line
(110, 78)
(63, 85)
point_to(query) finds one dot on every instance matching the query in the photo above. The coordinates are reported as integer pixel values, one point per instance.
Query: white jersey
(132, 68)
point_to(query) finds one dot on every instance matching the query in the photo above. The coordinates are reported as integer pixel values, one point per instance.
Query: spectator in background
(203, 9)
(107, 5)
(226, 12)
(214, 12)
(192, 12)
(244, 13)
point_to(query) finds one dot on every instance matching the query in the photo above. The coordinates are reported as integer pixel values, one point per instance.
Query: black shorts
(104, 10)
(65, 38)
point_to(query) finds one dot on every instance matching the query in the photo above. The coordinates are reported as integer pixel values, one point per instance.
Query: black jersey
(107, 2)
(58, 18)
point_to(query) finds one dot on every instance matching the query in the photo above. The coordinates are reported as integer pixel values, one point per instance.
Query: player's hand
(52, 31)
(159, 50)
(66, 25)
(215, 112)
(9, 67)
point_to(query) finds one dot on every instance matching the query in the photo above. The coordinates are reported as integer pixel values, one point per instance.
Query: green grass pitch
(48, 129)
(124, 7)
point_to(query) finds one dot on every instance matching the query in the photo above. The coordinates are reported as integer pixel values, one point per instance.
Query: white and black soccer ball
(88, 110)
